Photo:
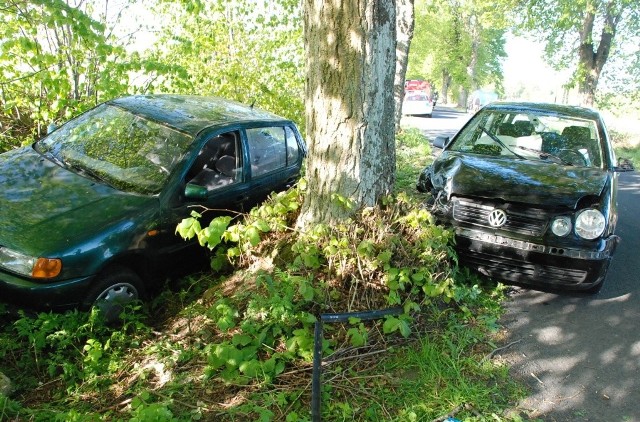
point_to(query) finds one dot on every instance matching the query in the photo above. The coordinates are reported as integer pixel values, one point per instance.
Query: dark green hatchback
(89, 213)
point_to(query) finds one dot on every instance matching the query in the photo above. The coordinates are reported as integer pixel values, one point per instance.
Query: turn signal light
(46, 268)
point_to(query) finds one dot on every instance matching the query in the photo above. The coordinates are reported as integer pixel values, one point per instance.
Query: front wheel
(114, 289)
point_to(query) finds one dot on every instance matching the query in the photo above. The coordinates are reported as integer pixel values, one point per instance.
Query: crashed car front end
(519, 215)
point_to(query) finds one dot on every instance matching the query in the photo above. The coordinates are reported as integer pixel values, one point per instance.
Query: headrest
(524, 127)
(577, 133)
(508, 129)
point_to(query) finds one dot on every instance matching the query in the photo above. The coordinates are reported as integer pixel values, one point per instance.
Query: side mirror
(624, 164)
(192, 191)
(52, 126)
(441, 142)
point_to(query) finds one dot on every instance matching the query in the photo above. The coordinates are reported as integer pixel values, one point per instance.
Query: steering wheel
(568, 154)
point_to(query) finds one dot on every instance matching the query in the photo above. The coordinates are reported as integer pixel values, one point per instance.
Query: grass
(413, 154)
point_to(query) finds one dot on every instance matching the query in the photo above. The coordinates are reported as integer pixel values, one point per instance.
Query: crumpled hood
(525, 181)
(45, 207)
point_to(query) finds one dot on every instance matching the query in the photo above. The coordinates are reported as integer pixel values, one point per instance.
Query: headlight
(590, 224)
(561, 226)
(28, 265)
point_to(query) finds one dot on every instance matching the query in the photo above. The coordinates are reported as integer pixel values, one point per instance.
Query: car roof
(192, 113)
(548, 107)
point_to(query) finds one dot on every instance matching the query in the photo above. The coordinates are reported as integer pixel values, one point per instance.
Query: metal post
(317, 372)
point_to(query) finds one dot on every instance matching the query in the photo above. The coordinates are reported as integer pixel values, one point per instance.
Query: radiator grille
(528, 221)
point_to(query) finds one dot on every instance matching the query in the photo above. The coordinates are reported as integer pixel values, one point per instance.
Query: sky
(527, 76)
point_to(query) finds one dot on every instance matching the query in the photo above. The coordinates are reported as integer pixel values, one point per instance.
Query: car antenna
(253, 102)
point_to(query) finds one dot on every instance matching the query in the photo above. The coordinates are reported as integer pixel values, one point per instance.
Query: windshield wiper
(546, 155)
(497, 140)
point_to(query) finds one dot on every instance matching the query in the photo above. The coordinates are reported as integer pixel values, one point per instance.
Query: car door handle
(242, 198)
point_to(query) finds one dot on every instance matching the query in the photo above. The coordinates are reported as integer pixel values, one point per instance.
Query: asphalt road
(445, 122)
(579, 354)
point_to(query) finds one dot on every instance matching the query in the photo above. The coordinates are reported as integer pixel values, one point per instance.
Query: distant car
(89, 213)
(530, 190)
(417, 104)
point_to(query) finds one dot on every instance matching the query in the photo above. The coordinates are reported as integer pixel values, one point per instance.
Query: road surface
(579, 354)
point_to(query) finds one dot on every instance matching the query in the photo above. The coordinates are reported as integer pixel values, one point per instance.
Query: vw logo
(497, 218)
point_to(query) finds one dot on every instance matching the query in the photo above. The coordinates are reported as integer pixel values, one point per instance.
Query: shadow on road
(447, 112)
(580, 354)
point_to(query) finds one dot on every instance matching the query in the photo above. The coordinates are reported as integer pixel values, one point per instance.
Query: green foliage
(276, 328)
(458, 44)
(56, 60)
(144, 410)
(584, 36)
(75, 347)
(398, 251)
(446, 366)
(413, 154)
(260, 62)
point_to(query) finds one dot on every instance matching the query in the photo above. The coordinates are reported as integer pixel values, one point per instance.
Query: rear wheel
(115, 288)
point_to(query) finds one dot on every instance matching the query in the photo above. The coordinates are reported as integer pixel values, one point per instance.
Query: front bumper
(21, 293)
(521, 262)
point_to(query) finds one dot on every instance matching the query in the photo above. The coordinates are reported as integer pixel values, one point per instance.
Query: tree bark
(446, 83)
(350, 58)
(405, 23)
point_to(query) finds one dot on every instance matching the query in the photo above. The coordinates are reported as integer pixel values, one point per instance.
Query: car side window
(218, 164)
(268, 149)
(293, 152)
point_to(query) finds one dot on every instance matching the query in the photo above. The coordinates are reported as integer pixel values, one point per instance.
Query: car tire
(115, 288)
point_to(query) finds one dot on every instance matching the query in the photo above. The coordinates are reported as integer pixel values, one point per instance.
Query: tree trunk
(404, 33)
(446, 83)
(592, 62)
(472, 71)
(351, 55)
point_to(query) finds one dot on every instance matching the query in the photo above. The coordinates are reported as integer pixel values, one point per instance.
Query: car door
(215, 184)
(274, 156)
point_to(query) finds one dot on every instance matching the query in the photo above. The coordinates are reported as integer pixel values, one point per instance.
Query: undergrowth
(237, 343)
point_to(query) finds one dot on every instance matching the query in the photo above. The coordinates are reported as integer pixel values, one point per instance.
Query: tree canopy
(58, 57)
(584, 35)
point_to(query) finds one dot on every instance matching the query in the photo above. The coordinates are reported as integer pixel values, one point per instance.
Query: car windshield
(534, 135)
(417, 97)
(118, 148)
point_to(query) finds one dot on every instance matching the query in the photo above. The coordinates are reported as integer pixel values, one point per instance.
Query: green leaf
(262, 225)
(251, 368)
(253, 235)
(390, 325)
(188, 228)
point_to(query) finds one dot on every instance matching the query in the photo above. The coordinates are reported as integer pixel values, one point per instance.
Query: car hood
(44, 207)
(525, 181)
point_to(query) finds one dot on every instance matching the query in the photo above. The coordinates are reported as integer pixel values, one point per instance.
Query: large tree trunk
(351, 55)
(592, 62)
(405, 23)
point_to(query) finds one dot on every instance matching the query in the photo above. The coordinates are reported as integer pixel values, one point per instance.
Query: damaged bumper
(523, 262)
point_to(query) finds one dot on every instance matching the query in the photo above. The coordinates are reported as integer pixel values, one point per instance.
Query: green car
(89, 213)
